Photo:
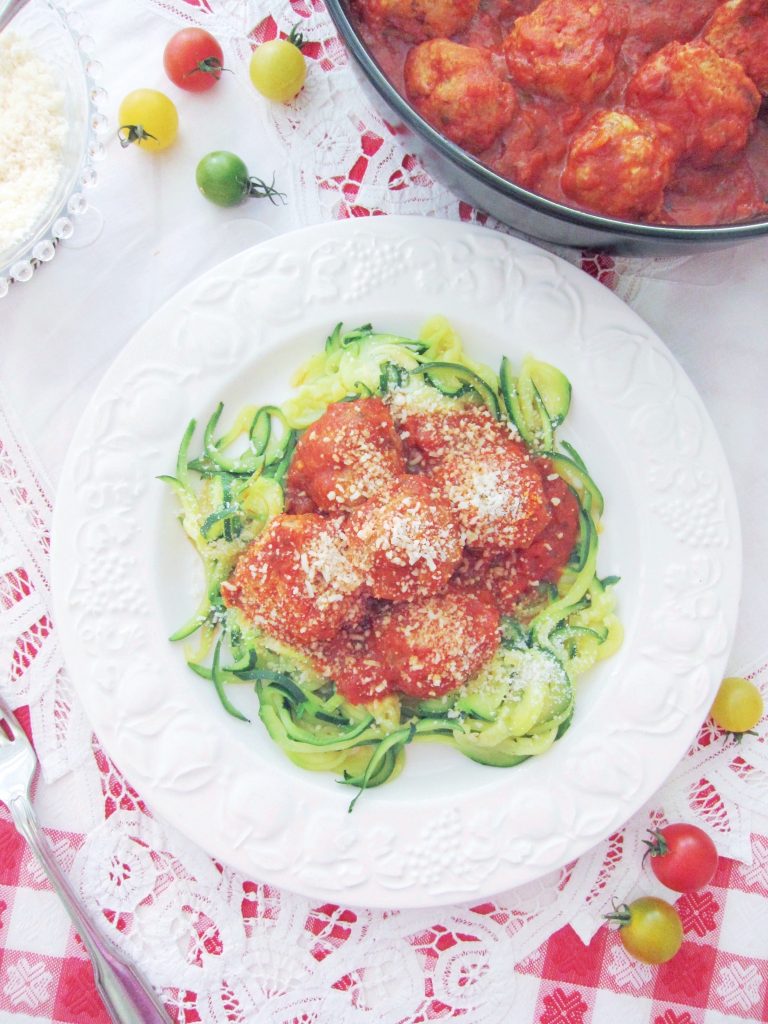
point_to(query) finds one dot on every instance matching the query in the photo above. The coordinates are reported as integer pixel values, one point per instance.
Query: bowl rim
(732, 231)
(58, 207)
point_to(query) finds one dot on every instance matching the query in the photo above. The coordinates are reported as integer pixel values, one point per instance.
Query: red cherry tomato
(682, 857)
(193, 60)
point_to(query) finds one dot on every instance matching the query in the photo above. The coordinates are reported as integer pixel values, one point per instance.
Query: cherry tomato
(193, 60)
(223, 178)
(738, 705)
(682, 857)
(278, 69)
(650, 929)
(149, 119)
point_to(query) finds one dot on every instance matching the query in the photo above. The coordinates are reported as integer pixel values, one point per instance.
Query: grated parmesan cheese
(337, 577)
(33, 129)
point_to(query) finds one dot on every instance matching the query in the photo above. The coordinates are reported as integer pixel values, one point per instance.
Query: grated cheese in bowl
(33, 128)
(49, 125)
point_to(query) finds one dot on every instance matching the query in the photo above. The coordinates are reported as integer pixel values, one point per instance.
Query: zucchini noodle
(522, 700)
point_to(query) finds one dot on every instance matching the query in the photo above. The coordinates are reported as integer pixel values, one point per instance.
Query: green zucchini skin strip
(307, 718)
(576, 475)
(574, 455)
(552, 387)
(511, 399)
(192, 625)
(278, 467)
(489, 756)
(545, 435)
(275, 704)
(250, 462)
(373, 774)
(182, 470)
(218, 682)
(545, 621)
(261, 430)
(473, 382)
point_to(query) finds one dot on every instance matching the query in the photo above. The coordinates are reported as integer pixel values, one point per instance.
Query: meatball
(494, 578)
(360, 672)
(420, 19)
(567, 49)
(422, 649)
(498, 496)
(739, 30)
(704, 104)
(430, 437)
(545, 558)
(505, 577)
(618, 165)
(459, 91)
(657, 22)
(436, 645)
(345, 457)
(407, 541)
(295, 581)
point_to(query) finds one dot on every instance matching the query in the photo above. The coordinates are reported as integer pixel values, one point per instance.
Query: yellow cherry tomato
(278, 69)
(738, 705)
(148, 119)
(650, 929)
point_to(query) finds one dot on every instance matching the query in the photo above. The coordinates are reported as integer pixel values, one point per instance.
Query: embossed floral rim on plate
(446, 829)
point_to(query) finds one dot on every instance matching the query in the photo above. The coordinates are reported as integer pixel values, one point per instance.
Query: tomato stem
(737, 737)
(621, 914)
(657, 845)
(209, 66)
(258, 189)
(129, 133)
(295, 37)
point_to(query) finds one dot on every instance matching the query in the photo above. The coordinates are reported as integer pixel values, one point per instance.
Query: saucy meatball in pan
(650, 112)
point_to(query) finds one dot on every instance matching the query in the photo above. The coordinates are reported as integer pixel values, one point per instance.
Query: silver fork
(127, 997)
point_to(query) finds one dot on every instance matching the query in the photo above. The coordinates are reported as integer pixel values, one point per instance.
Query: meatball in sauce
(459, 91)
(643, 110)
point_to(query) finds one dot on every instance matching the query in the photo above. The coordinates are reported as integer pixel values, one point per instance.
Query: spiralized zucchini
(520, 703)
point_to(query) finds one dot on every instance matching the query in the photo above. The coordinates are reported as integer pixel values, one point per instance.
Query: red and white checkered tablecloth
(720, 974)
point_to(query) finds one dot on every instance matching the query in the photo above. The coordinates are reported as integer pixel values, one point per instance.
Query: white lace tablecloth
(224, 948)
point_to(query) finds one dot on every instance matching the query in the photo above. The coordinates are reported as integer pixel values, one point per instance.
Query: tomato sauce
(532, 149)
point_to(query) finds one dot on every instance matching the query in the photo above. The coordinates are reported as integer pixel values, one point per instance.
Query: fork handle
(127, 997)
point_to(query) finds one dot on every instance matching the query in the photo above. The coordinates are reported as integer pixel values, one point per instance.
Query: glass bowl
(59, 37)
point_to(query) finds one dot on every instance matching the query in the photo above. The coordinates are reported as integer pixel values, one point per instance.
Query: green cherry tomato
(278, 69)
(222, 177)
(738, 705)
(148, 119)
(650, 929)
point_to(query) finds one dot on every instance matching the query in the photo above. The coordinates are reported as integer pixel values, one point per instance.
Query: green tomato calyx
(209, 66)
(295, 37)
(657, 844)
(258, 189)
(130, 133)
(737, 737)
(621, 915)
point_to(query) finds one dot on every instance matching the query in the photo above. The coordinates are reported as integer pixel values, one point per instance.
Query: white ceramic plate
(446, 829)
